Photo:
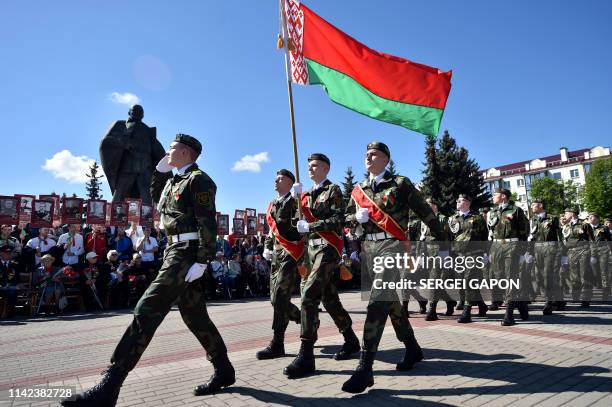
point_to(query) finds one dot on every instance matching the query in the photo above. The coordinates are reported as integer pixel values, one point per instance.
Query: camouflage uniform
(396, 195)
(600, 251)
(326, 204)
(577, 235)
(187, 205)
(545, 243)
(469, 233)
(284, 267)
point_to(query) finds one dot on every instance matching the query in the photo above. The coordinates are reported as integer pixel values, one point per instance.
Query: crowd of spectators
(89, 268)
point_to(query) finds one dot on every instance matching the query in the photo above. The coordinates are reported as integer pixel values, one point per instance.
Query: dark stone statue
(129, 152)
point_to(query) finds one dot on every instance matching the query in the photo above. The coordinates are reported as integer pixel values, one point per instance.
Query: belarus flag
(378, 85)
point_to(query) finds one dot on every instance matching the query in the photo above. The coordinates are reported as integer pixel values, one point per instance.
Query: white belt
(546, 243)
(316, 242)
(378, 236)
(514, 239)
(182, 237)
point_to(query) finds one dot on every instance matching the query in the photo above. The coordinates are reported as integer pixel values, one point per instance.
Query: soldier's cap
(593, 214)
(537, 200)
(320, 157)
(464, 196)
(47, 257)
(189, 141)
(286, 173)
(91, 255)
(380, 146)
(608, 219)
(5, 249)
(573, 210)
(503, 191)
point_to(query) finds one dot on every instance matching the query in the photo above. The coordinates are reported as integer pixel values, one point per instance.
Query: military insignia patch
(203, 198)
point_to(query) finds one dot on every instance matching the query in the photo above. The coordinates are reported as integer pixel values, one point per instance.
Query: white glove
(443, 253)
(162, 165)
(593, 260)
(267, 254)
(528, 258)
(296, 190)
(522, 259)
(195, 271)
(362, 215)
(485, 258)
(303, 226)
(564, 260)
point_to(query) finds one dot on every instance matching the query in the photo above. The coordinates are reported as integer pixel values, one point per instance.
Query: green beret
(573, 210)
(465, 196)
(189, 142)
(593, 214)
(320, 157)
(286, 173)
(537, 200)
(503, 191)
(380, 146)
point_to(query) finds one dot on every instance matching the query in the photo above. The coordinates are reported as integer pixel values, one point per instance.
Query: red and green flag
(378, 85)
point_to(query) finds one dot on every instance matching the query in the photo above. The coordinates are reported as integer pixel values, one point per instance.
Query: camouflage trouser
(547, 278)
(475, 275)
(318, 287)
(438, 273)
(601, 271)
(504, 259)
(155, 303)
(282, 282)
(383, 303)
(580, 272)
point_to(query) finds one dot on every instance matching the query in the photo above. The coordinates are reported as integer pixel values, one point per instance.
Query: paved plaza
(566, 361)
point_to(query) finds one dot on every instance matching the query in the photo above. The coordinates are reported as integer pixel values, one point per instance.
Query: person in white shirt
(72, 243)
(234, 271)
(41, 244)
(147, 246)
(135, 232)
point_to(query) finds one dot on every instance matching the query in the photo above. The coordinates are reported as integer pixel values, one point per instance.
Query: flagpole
(285, 40)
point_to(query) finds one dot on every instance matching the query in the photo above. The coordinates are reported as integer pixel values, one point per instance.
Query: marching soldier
(432, 249)
(188, 215)
(469, 234)
(577, 236)
(413, 234)
(323, 211)
(600, 254)
(508, 227)
(545, 238)
(379, 208)
(285, 248)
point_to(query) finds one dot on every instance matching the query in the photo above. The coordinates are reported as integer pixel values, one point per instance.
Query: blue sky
(528, 77)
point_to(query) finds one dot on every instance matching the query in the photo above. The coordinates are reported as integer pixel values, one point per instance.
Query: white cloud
(251, 163)
(126, 98)
(72, 168)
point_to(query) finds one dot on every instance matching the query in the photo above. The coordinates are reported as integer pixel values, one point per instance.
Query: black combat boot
(548, 308)
(523, 308)
(275, 349)
(223, 376)
(363, 377)
(350, 346)
(482, 309)
(423, 307)
(466, 316)
(405, 308)
(509, 317)
(450, 308)
(494, 306)
(304, 364)
(413, 354)
(460, 306)
(103, 394)
(560, 305)
(432, 314)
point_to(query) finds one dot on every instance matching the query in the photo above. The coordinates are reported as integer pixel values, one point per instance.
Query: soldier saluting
(285, 248)
(379, 206)
(188, 215)
(323, 211)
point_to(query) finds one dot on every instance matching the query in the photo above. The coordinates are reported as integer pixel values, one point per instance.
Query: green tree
(348, 185)
(597, 192)
(392, 169)
(430, 184)
(556, 194)
(94, 183)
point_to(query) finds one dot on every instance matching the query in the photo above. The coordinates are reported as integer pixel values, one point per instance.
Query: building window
(520, 182)
(507, 184)
(587, 168)
(522, 198)
(556, 175)
(574, 173)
